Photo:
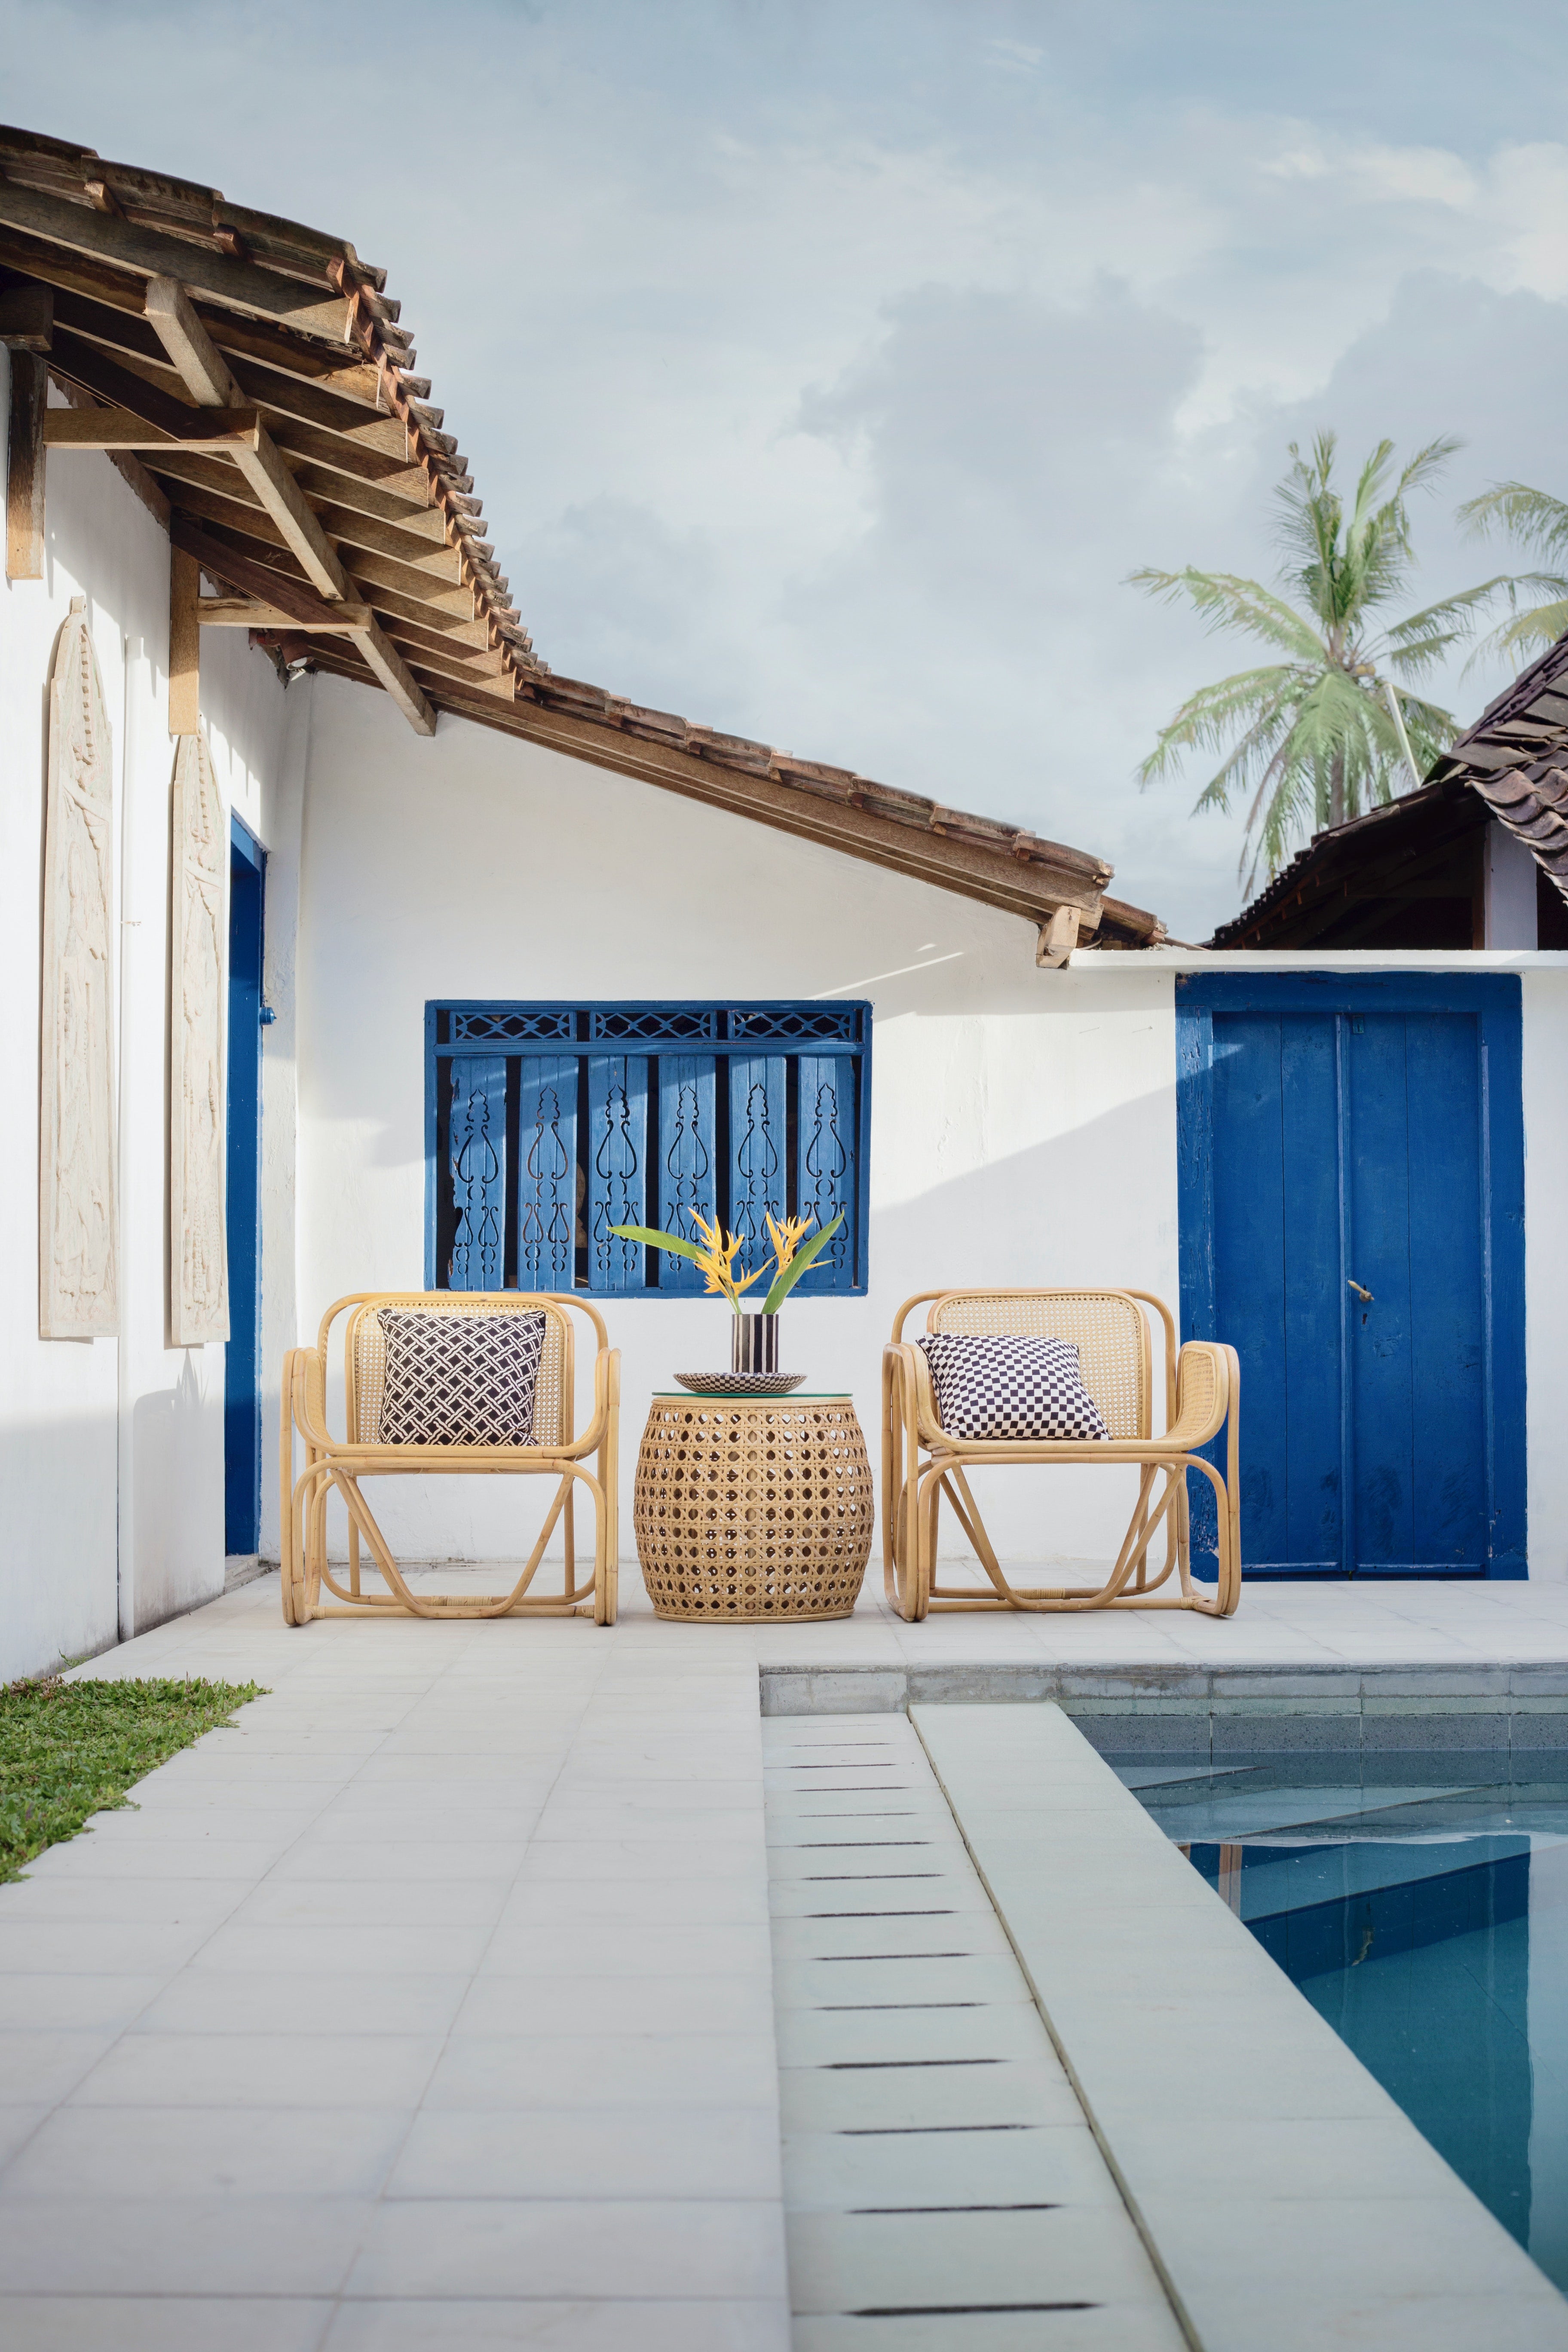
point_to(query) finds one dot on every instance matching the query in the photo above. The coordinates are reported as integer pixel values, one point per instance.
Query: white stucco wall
(111, 1450)
(1022, 1122)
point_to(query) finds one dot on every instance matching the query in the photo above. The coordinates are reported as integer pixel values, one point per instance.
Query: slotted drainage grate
(937, 2166)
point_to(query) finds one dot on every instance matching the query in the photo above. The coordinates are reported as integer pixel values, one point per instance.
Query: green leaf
(654, 1240)
(785, 1283)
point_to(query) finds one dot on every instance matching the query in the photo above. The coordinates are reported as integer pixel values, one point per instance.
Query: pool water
(1424, 1916)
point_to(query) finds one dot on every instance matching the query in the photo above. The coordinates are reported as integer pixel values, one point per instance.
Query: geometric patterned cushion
(458, 1380)
(1002, 1385)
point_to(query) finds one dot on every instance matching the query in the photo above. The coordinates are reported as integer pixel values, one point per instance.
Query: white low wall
(111, 1450)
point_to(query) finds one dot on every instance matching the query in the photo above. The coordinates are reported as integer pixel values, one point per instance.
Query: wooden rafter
(117, 428)
(207, 377)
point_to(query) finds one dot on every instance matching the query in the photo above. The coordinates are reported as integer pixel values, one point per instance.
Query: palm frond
(1529, 632)
(1534, 518)
(1227, 600)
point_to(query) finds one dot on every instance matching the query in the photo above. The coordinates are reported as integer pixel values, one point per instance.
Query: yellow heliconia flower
(718, 1260)
(786, 1239)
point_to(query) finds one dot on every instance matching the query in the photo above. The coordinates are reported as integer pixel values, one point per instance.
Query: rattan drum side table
(749, 1508)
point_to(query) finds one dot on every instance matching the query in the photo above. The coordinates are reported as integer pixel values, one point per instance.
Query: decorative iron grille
(544, 1132)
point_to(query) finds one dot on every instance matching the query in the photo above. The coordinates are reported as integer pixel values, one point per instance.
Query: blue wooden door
(1351, 1203)
(242, 1358)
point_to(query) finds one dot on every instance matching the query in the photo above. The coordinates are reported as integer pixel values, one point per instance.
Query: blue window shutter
(618, 1168)
(687, 1159)
(477, 1145)
(546, 1171)
(758, 1128)
(825, 1180)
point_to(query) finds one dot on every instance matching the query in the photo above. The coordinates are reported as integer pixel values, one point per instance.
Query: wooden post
(1057, 939)
(25, 466)
(184, 643)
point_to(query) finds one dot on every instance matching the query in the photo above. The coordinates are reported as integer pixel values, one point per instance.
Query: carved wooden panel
(198, 1258)
(617, 1170)
(687, 1159)
(78, 1240)
(547, 1172)
(477, 1146)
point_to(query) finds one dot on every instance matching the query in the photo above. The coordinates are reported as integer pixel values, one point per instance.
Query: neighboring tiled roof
(1332, 858)
(1516, 758)
(309, 339)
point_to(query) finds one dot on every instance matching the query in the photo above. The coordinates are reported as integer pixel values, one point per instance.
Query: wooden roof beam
(119, 428)
(238, 285)
(245, 613)
(206, 374)
(305, 610)
(207, 377)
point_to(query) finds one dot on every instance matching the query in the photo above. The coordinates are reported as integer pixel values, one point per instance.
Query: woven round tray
(752, 1508)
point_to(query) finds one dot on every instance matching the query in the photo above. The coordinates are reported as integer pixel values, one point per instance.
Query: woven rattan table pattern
(752, 1507)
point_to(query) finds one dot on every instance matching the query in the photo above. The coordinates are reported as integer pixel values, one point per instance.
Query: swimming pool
(1420, 1903)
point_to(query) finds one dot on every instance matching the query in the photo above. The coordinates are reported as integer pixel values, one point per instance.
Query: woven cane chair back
(366, 1357)
(1107, 1327)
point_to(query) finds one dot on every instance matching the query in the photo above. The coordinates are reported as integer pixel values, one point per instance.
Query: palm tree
(1334, 727)
(1536, 521)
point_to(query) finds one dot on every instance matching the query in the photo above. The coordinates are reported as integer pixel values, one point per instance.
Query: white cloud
(827, 366)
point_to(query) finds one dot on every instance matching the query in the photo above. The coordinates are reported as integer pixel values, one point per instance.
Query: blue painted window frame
(1496, 999)
(643, 1111)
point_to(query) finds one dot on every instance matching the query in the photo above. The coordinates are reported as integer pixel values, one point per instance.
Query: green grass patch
(69, 1749)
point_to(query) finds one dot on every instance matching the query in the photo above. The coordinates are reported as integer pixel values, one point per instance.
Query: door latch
(1361, 1292)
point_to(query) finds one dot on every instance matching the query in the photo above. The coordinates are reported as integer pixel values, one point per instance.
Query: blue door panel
(1377, 1255)
(242, 1357)
(1314, 1530)
(1342, 1134)
(1248, 1207)
(1449, 1319)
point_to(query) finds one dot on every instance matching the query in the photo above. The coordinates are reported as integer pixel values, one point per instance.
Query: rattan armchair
(920, 1463)
(333, 1465)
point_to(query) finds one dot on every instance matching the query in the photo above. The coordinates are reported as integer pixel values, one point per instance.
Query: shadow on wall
(172, 1516)
(58, 1589)
(1095, 1205)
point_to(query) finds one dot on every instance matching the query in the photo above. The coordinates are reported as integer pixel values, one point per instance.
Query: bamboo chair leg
(353, 1558)
(285, 1494)
(892, 1493)
(603, 1590)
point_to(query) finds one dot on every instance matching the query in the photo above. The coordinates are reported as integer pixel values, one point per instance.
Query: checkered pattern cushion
(1002, 1385)
(458, 1380)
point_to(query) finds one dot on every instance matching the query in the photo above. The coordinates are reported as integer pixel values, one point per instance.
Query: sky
(827, 365)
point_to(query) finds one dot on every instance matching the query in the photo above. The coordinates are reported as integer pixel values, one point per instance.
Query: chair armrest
(909, 1370)
(1206, 1384)
(305, 1373)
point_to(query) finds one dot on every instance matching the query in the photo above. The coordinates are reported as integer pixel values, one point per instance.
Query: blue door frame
(242, 1361)
(1351, 1155)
